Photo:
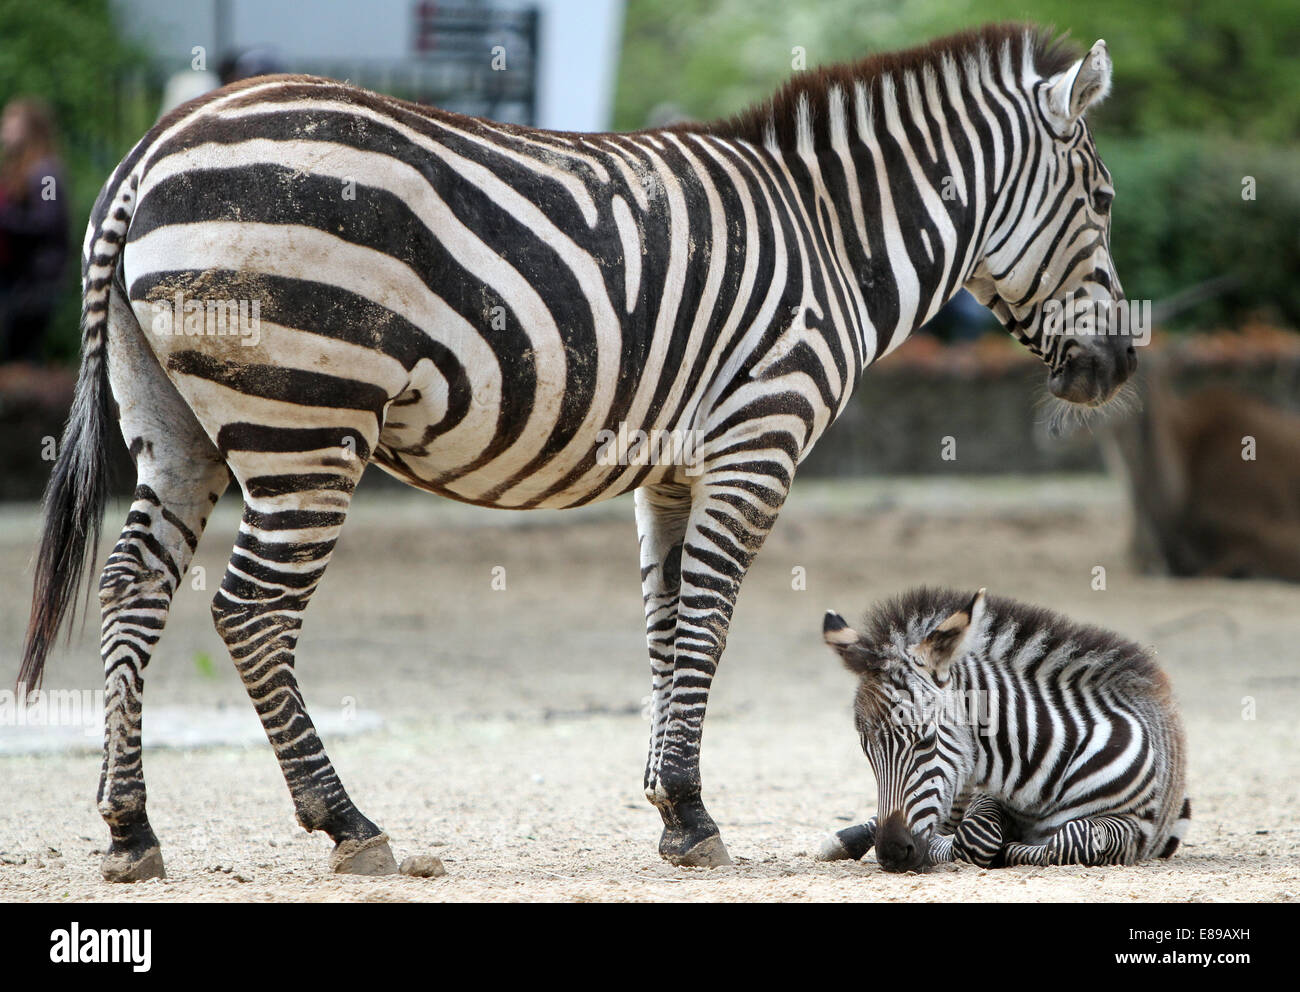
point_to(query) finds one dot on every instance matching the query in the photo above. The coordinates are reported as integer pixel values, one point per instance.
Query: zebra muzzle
(897, 848)
(1090, 373)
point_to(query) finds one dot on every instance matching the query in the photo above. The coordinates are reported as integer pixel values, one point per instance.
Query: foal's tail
(1179, 830)
(78, 487)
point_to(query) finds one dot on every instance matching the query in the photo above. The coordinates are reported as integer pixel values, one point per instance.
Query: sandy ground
(511, 743)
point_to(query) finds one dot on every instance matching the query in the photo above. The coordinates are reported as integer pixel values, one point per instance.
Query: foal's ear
(847, 643)
(951, 639)
(1068, 94)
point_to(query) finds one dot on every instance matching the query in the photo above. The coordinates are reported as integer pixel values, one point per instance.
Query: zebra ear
(1070, 93)
(951, 639)
(847, 643)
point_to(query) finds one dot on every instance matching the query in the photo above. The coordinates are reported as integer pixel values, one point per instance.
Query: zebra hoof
(371, 856)
(129, 865)
(833, 849)
(708, 853)
(849, 844)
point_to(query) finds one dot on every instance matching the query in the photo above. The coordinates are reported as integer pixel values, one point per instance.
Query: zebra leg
(978, 838)
(661, 516)
(726, 528)
(285, 541)
(135, 594)
(1096, 840)
(180, 475)
(851, 843)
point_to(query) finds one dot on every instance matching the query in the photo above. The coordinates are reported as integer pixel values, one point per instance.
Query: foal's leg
(849, 844)
(1097, 840)
(972, 828)
(979, 837)
(295, 504)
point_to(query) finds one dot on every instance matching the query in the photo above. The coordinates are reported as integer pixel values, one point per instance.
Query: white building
(373, 41)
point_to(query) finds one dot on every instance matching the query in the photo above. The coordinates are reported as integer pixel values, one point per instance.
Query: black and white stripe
(472, 306)
(1001, 733)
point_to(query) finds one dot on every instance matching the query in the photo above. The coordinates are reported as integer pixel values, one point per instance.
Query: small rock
(423, 866)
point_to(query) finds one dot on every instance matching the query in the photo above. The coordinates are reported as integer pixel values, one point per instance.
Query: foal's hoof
(371, 856)
(833, 849)
(849, 844)
(708, 853)
(133, 865)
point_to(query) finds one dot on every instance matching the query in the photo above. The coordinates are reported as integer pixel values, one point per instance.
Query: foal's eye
(1102, 199)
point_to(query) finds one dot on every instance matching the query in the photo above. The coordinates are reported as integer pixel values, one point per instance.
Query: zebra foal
(1003, 734)
(478, 308)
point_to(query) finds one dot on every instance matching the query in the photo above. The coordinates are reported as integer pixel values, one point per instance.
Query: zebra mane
(906, 618)
(802, 105)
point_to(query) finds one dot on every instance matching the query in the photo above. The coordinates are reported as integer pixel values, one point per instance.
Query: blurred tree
(1203, 64)
(714, 57)
(1206, 65)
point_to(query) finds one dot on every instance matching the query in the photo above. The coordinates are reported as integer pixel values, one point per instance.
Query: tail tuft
(78, 487)
(74, 507)
(1180, 829)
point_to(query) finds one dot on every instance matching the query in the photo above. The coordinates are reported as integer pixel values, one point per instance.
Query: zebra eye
(1101, 200)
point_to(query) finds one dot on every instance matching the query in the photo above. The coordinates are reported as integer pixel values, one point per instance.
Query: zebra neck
(889, 216)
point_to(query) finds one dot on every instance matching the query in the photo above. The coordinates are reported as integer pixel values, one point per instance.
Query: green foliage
(1214, 65)
(711, 58)
(1180, 219)
(68, 52)
(203, 665)
(1204, 65)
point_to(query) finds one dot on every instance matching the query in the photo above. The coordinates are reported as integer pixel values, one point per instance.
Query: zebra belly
(472, 464)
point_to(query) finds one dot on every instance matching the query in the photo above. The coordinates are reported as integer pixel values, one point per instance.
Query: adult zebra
(470, 305)
(1003, 734)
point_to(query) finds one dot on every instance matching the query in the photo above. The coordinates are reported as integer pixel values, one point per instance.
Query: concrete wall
(985, 399)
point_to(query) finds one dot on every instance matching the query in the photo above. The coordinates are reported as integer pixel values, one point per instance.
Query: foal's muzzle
(897, 848)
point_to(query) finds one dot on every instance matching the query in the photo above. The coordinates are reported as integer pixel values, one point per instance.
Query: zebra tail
(77, 492)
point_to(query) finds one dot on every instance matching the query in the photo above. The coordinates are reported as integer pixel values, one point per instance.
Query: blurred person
(963, 318)
(258, 61)
(189, 84)
(186, 85)
(33, 227)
